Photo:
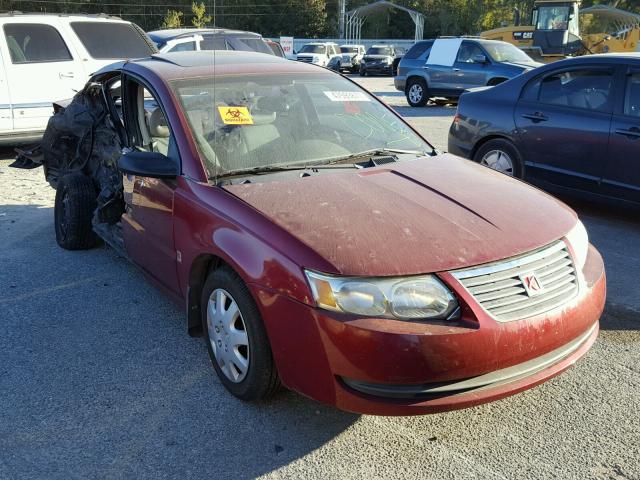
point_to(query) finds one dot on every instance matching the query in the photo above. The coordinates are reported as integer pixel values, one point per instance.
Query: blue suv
(446, 67)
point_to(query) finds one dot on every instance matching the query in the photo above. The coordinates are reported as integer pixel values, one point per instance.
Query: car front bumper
(392, 367)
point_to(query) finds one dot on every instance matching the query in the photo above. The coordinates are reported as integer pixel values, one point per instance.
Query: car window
(110, 40)
(35, 43)
(379, 51)
(632, 95)
(147, 126)
(184, 47)
(213, 42)
(467, 52)
(254, 44)
(588, 89)
(277, 119)
(418, 49)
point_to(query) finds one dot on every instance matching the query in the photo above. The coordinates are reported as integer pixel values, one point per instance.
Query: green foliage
(173, 19)
(309, 18)
(200, 18)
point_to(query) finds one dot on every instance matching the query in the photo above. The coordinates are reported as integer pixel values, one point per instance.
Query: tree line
(304, 18)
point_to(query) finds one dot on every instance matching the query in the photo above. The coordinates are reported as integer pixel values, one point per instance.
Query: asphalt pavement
(98, 378)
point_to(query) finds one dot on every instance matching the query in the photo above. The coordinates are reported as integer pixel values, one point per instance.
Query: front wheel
(236, 337)
(363, 72)
(417, 92)
(501, 155)
(73, 211)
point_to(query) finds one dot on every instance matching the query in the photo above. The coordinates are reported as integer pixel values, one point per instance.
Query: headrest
(158, 126)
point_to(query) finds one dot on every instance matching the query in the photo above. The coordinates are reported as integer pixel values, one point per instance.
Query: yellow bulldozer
(554, 32)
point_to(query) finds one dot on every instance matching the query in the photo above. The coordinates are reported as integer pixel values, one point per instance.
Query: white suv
(46, 58)
(318, 53)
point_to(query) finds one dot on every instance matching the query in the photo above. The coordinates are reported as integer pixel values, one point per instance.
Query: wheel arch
(487, 139)
(414, 77)
(200, 268)
(496, 81)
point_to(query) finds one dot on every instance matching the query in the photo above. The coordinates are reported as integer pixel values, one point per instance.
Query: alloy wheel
(415, 93)
(228, 335)
(498, 160)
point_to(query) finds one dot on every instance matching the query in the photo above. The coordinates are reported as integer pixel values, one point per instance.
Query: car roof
(321, 43)
(381, 45)
(177, 65)
(100, 17)
(171, 33)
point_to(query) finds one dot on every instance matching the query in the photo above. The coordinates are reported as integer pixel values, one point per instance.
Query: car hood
(525, 65)
(428, 215)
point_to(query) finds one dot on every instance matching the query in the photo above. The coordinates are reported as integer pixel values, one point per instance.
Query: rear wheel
(74, 206)
(501, 155)
(417, 92)
(236, 337)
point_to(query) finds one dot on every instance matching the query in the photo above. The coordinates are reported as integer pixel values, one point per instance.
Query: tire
(74, 206)
(363, 72)
(498, 153)
(259, 380)
(417, 92)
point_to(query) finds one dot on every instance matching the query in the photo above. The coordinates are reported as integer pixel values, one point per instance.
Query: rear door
(563, 120)
(439, 65)
(42, 67)
(468, 72)
(622, 174)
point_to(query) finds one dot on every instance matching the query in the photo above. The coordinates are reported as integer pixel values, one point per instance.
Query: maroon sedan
(318, 241)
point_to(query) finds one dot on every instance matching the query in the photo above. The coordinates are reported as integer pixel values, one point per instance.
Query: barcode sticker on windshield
(347, 96)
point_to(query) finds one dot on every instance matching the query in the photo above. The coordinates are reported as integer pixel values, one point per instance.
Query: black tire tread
(82, 203)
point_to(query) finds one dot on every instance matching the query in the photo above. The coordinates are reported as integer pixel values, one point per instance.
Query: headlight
(579, 240)
(406, 298)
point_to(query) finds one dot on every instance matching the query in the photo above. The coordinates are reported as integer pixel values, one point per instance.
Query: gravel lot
(98, 378)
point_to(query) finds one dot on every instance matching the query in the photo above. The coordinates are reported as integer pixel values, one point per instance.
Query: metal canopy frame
(354, 19)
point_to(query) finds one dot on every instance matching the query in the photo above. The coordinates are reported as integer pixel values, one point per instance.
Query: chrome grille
(499, 288)
(305, 59)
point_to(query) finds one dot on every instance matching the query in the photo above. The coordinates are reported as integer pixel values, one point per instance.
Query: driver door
(147, 224)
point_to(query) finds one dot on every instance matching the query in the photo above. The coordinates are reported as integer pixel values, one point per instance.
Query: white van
(46, 58)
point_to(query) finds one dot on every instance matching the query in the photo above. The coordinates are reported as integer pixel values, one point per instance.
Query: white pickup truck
(49, 57)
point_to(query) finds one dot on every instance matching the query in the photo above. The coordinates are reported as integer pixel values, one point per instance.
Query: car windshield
(505, 52)
(273, 120)
(255, 44)
(379, 51)
(313, 49)
(349, 49)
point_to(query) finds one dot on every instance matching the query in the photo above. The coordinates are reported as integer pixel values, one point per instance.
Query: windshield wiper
(278, 168)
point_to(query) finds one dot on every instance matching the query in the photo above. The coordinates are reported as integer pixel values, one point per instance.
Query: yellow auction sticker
(235, 115)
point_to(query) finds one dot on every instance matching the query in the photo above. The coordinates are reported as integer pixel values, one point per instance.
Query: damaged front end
(83, 137)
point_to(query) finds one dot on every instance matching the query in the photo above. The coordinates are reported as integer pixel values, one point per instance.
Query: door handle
(536, 117)
(633, 132)
(456, 69)
(66, 75)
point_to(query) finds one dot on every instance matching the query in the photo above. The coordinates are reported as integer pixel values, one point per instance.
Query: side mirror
(479, 59)
(147, 164)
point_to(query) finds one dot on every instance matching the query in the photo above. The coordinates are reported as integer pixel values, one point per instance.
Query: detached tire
(236, 337)
(417, 92)
(74, 206)
(501, 155)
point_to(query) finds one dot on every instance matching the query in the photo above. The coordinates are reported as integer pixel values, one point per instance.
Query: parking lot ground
(98, 378)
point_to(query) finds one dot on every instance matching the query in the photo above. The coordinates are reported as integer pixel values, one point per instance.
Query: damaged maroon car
(316, 240)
